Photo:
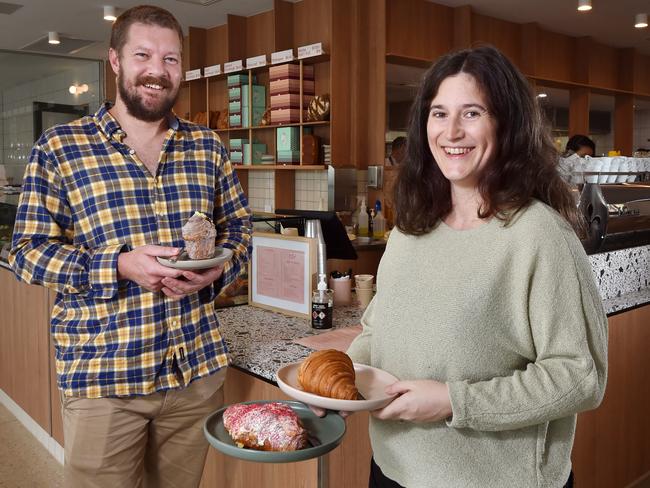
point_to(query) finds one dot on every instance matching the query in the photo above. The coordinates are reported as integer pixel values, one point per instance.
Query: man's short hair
(143, 14)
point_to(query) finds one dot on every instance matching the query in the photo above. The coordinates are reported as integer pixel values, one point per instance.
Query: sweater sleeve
(359, 350)
(569, 329)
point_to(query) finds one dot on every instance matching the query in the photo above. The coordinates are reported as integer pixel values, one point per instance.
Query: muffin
(199, 235)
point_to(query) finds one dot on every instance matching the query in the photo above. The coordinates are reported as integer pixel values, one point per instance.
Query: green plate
(325, 433)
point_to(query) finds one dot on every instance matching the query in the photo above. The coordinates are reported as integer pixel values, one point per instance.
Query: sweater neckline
(466, 232)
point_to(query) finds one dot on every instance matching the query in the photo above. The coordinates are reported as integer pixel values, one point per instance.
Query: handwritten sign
(233, 66)
(194, 74)
(310, 50)
(282, 56)
(256, 61)
(213, 70)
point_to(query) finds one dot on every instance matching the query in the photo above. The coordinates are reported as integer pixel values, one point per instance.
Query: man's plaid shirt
(86, 198)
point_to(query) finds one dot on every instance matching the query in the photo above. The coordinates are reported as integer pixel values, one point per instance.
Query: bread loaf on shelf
(328, 373)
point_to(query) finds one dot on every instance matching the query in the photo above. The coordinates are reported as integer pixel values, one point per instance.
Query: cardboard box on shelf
(257, 114)
(258, 95)
(288, 138)
(253, 155)
(290, 85)
(237, 144)
(290, 70)
(290, 100)
(238, 79)
(286, 116)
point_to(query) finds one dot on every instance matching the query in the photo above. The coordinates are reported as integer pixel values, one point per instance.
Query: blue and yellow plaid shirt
(86, 198)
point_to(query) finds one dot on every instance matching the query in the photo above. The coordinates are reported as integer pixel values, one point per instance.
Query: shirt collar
(109, 125)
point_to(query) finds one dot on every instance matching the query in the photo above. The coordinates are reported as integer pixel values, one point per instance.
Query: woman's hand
(418, 401)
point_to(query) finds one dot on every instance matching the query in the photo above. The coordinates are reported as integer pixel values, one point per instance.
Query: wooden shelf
(275, 126)
(281, 167)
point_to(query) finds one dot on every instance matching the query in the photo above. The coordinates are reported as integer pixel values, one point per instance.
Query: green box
(258, 95)
(236, 157)
(288, 139)
(237, 144)
(258, 151)
(234, 107)
(239, 79)
(234, 120)
(258, 113)
(234, 93)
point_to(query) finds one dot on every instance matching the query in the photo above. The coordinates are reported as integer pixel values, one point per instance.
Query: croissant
(328, 373)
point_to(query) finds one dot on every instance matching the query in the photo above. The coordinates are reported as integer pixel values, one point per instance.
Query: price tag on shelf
(256, 61)
(194, 74)
(310, 51)
(213, 70)
(282, 56)
(233, 66)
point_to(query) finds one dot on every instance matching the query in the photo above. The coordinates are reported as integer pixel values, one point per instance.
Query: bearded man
(139, 357)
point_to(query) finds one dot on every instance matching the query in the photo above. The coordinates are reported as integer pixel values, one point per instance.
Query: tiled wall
(16, 117)
(311, 190)
(641, 129)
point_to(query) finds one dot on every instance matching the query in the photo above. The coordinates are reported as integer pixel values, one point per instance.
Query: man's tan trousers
(152, 441)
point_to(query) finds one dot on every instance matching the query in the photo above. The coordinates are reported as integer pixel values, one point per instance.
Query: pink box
(290, 100)
(286, 116)
(291, 71)
(290, 85)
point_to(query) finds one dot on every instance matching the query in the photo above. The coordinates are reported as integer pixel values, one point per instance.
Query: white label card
(310, 50)
(213, 70)
(256, 61)
(233, 66)
(194, 74)
(282, 56)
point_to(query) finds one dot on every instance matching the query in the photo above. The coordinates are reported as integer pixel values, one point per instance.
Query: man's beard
(135, 105)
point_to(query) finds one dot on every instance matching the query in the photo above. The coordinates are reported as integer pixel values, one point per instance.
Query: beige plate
(221, 255)
(371, 383)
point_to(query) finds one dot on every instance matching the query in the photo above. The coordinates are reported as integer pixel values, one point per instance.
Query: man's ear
(114, 59)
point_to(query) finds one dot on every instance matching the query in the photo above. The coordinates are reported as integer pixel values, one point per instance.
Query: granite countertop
(261, 342)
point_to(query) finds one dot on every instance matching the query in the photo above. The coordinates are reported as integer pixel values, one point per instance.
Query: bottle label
(321, 315)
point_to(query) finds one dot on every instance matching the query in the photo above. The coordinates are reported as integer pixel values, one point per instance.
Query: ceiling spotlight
(78, 89)
(109, 13)
(53, 38)
(641, 21)
(584, 5)
(542, 95)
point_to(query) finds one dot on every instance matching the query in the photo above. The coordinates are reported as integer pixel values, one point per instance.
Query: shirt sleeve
(569, 330)
(232, 219)
(43, 251)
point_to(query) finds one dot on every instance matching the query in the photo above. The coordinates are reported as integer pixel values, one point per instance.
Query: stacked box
(254, 155)
(241, 119)
(237, 144)
(238, 80)
(284, 88)
(288, 139)
(288, 157)
(236, 157)
(258, 96)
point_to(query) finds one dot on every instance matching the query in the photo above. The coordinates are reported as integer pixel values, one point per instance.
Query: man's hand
(418, 401)
(141, 266)
(192, 282)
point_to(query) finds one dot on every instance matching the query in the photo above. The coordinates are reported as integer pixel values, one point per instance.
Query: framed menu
(280, 273)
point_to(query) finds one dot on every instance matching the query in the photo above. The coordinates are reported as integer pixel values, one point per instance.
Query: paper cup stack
(364, 289)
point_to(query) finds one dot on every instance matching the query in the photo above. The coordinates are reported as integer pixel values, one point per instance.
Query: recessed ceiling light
(542, 95)
(641, 21)
(53, 38)
(109, 13)
(584, 5)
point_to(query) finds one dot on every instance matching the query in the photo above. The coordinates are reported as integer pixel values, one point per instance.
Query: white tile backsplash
(311, 190)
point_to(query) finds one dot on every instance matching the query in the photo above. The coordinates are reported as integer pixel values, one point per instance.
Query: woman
(486, 308)
(580, 145)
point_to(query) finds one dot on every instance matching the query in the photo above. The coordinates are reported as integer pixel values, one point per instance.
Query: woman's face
(460, 131)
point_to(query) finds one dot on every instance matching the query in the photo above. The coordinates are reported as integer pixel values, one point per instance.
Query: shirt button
(131, 152)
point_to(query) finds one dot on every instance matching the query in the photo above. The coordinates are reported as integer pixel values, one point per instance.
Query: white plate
(371, 383)
(221, 255)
